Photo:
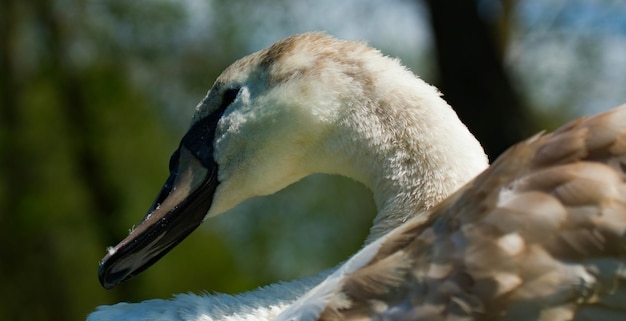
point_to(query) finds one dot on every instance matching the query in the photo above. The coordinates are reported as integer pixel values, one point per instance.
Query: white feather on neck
(374, 122)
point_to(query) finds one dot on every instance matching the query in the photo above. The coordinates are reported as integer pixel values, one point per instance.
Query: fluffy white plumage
(315, 104)
(526, 240)
(263, 304)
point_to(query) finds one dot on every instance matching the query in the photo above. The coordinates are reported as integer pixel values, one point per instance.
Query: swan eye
(229, 96)
(199, 138)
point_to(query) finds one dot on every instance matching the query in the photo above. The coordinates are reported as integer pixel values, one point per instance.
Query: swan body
(538, 236)
(263, 304)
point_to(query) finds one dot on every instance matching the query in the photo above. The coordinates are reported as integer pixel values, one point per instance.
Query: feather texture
(540, 235)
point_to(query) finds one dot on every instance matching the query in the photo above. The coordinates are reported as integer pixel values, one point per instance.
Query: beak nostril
(164, 193)
(169, 183)
(178, 209)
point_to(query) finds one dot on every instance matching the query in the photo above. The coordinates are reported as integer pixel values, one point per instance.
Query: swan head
(307, 104)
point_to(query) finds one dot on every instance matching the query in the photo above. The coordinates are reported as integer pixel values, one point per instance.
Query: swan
(539, 235)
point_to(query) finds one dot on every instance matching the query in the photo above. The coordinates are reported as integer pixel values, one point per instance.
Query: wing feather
(540, 235)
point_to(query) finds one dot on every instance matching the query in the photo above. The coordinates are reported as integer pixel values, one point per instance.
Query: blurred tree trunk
(36, 285)
(472, 77)
(83, 128)
(9, 158)
(15, 178)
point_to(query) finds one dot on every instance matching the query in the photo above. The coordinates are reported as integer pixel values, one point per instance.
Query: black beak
(177, 211)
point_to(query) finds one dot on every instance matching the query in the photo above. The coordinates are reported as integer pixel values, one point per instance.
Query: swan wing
(540, 235)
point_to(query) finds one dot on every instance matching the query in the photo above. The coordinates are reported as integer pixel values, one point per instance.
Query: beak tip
(173, 216)
(103, 276)
(108, 278)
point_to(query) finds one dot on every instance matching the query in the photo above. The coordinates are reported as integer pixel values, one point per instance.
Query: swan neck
(411, 156)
